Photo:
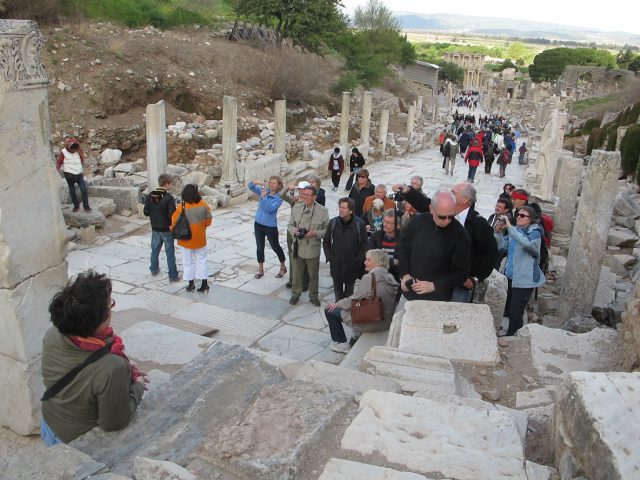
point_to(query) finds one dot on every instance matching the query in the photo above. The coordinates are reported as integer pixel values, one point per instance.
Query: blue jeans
(335, 325)
(48, 437)
(157, 240)
(472, 173)
(461, 294)
(71, 181)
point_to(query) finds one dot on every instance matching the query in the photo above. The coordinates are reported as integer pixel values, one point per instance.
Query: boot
(191, 287)
(204, 287)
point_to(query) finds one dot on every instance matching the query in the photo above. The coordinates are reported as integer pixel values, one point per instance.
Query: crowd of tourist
(384, 248)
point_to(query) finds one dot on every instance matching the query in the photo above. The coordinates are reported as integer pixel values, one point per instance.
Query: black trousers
(350, 181)
(335, 177)
(262, 231)
(342, 289)
(517, 299)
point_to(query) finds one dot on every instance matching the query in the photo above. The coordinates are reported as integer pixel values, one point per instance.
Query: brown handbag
(367, 310)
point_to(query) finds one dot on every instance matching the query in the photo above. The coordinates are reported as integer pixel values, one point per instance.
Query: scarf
(92, 344)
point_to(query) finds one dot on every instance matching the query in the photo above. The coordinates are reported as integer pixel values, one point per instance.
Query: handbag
(367, 310)
(182, 229)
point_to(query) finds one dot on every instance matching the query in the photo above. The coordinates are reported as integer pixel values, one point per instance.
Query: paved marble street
(255, 312)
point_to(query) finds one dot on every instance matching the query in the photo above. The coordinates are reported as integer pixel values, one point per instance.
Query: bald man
(434, 252)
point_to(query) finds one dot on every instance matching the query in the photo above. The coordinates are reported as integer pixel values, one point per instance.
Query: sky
(597, 15)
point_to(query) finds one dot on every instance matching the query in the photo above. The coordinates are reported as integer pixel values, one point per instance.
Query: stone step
(125, 318)
(353, 359)
(437, 439)
(228, 414)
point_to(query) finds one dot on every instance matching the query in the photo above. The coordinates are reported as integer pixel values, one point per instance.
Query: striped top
(199, 216)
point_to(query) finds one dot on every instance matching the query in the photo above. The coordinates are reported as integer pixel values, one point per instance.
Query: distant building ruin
(473, 65)
(423, 73)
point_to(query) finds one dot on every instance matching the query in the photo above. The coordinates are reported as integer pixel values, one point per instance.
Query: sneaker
(75, 209)
(334, 189)
(294, 299)
(343, 347)
(174, 279)
(88, 209)
(155, 272)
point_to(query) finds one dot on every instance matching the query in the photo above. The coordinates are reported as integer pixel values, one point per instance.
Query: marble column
(229, 140)
(411, 117)
(547, 158)
(383, 130)
(589, 238)
(280, 130)
(344, 123)
(33, 234)
(434, 114)
(568, 187)
(365, 126)
(419, 106)
(156, 142)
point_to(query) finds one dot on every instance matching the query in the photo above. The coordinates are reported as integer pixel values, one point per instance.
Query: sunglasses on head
(522, 215)
(446, 217)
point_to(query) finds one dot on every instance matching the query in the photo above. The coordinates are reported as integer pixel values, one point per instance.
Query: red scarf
(91, 344)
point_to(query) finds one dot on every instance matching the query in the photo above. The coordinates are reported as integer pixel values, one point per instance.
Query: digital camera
(302, 232)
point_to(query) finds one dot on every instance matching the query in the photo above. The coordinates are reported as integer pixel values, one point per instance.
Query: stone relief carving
(20, 66)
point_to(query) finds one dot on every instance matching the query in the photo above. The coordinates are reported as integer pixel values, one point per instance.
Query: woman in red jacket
(474, 156)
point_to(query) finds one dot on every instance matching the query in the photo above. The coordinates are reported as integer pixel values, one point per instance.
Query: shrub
(595, 140)
(40, 10)
(630, 115)
(347, 82)
(630, 151)
(612, 136)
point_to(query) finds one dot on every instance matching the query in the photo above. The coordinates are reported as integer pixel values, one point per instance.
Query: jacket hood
(70, 141)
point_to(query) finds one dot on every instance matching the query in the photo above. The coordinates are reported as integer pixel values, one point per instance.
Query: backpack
(446, 150)
(182, 229)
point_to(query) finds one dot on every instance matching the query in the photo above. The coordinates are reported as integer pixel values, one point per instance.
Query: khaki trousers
(299, 267)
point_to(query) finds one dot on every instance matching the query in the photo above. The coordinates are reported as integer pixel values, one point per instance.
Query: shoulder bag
(367, 310)
(182, 229)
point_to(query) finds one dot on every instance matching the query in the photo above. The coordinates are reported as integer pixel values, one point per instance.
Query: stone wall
(631, 332)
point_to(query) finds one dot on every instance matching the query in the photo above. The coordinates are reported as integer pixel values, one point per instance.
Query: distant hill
(441, 22)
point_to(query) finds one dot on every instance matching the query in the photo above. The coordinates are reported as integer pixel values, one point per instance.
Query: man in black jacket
(434, 252)
(344, 246)
(159, 206)
(484, 248)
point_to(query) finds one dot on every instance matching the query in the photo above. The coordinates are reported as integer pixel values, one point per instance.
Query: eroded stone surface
(436, 438)
(457, 331)
(150, 469)
(556, 352)
(337, 469)
(595, 424)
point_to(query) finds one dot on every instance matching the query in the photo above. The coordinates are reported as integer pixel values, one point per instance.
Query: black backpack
(446, 150)
(182, 229)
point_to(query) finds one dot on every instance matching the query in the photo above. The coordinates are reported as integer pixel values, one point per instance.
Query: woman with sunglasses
(108, 387)
(522, 269)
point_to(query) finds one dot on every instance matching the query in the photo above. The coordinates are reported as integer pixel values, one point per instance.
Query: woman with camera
(376, 264)
(356, 162)
(522, 268)
(266, 222)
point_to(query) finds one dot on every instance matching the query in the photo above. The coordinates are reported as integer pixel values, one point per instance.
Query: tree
(375, 16)
(549, 65)
(307, 23)
(450, 72)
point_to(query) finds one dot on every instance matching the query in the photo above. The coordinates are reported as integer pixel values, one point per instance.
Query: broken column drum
(156, 142)
(589, 239)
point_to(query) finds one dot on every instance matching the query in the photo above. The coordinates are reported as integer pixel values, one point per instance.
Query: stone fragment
(580, 324)
(496, 296)
(199, 178)
(337, 378)
(535, 471)
(126, 168)
(556, 352)
(592, 427)
(81, 218)
(625, 206)
(124, 197)
(431, 437)
(536, 398)
(110, 156)
(621, 237)
(150, 469)
(337, 469)
(474, 339)
(88, 234)
(413, 371)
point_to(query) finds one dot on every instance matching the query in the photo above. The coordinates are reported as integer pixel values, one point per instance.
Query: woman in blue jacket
(522, 269)
(266, 223)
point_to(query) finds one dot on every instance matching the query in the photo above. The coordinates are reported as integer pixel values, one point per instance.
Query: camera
(302, 232)
(398, 196)
(409, 283)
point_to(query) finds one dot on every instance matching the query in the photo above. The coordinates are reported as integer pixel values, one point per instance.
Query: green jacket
(314, 218)
(101, 395)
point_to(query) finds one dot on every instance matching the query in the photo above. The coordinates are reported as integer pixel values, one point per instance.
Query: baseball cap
(303, 184)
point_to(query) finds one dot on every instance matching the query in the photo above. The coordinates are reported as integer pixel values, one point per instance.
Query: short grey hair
(315, 178)
(382, 185)
(439, 195)
(420, 179)
(469, 192)
(390, 213)
(380, 258)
